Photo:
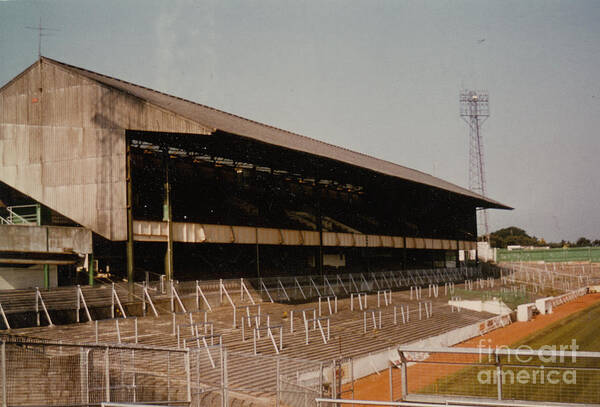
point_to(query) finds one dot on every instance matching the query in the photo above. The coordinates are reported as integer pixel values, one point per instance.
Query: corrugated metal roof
(230, 123)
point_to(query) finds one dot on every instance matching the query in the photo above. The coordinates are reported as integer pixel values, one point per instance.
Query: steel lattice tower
(475, 109)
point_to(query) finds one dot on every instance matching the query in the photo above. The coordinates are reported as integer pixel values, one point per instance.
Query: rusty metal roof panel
(230, 123)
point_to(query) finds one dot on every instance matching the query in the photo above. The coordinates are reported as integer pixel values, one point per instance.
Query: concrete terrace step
(346, 335)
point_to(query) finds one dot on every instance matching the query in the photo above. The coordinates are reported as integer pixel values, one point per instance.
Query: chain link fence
(43, 373)
(37, 373)
(541, 278)
(570, 254)
(222, 378)
(547, 375)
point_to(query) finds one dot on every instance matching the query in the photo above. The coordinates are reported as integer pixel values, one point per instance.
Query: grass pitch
(566, 381)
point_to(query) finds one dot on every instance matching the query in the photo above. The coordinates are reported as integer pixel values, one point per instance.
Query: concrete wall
(491, 306)
(45, 239)
(26, 277)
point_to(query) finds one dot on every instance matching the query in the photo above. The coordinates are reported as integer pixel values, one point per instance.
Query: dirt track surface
(376, 387)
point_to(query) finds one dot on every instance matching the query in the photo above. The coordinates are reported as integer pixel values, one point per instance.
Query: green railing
(591, 254)
(22, 215)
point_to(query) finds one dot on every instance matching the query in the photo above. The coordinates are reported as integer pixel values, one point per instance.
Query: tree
(512, 236)
(583, 242)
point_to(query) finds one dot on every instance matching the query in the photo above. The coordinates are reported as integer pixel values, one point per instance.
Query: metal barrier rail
(333, 310)
(544, 375)
(323, 402)
(362, 300)
(29, 215)
(545, 278)
(299, 288)
(210, 293)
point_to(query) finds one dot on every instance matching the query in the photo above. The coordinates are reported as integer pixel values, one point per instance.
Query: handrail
(341, 284)
(173, 296)
(4, 317)
(300, 287)
(18, 218)
(266, 290)
(372, 312)
(268, 328)
(199, 291)
(283, 288)
(315, 286)
(353, 282)
(85, 307)
(145, 295)
(405, 316)
(329, 285)
(244, 288)
(317, 322)
(387, 297)
(328, 298)
(38, 297)
(114, 296)
(222, 289)
(360, 302)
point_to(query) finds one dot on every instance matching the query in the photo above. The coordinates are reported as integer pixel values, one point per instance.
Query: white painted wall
(27, 277)
(491, 306)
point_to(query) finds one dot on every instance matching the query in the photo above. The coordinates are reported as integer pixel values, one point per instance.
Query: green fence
(550, 255)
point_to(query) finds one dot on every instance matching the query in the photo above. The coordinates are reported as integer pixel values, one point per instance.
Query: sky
(379, 77)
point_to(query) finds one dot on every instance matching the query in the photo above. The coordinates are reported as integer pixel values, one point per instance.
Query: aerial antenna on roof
(42, 32)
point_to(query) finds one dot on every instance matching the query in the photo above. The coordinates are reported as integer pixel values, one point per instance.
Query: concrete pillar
(91, 269)
(46, 276)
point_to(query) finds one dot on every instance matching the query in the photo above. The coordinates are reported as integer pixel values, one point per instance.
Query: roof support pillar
(168, 216)
(320, 228)
(404, 253)
(129, 248)
(46, 276)
(91, 269)
(457, 253)
(257, 254)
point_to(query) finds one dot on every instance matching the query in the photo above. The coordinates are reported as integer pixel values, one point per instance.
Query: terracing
(355, 330)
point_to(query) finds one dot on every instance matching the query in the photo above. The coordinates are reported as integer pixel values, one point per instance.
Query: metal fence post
(188, 376)
(37, 307)
(4, 399)
(78, 304)
(112, 301)
(83, 369)
(404, 381)
(134, 386)
(321, 379)
(277, 385)
(499, 376)
(352, 375)
(334, 392)
(391, 383)
(106, 375)
(171, 296)
(169, 374)
(225, 380)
